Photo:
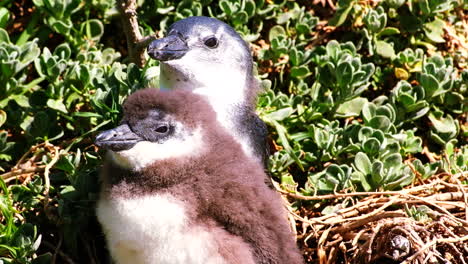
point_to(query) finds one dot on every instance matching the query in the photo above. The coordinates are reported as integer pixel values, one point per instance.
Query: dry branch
(11, 175)
(136, 43)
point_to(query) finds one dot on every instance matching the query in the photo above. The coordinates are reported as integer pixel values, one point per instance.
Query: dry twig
(374, 226)
(136, 43)
(11, 175)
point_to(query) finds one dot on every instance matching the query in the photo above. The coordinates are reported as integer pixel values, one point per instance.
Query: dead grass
(427, 223)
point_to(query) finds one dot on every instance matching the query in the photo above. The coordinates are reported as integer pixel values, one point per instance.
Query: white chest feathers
(154, 230)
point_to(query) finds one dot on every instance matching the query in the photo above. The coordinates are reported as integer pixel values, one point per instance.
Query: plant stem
(136, 43)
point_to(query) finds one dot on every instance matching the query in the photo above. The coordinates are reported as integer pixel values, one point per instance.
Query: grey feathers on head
(178, 188)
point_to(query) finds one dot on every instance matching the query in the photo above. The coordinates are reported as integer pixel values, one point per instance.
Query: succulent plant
(353, 103)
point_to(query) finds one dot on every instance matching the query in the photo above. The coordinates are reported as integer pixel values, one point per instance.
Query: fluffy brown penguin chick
(178, 189)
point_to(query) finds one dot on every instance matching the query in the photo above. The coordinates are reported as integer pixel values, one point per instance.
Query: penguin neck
(225, 88)
(225, 105)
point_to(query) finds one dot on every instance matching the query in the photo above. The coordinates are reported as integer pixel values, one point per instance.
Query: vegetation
(366, 102)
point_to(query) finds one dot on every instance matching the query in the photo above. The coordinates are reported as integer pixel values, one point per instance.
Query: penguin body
(203, 203)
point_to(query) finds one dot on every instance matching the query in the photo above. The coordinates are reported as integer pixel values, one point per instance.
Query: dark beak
(117, 139)
(172, 47)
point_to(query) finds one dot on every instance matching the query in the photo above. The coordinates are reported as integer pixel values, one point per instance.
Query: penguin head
(157, 125)
(205, 53)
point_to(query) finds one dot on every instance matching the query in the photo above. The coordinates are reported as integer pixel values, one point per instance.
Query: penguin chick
(207, 56)
(178, 189)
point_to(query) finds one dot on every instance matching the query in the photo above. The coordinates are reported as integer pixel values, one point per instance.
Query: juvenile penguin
(178, 189)
(209, 57)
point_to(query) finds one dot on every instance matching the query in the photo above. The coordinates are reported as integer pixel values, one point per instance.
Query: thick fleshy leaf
(57, 105)
(3, 117)
(444, 125)
(362, 163)
(380, 122)
(384, 49)
(341, 14)
(280, 114)
(435, 30)
(351, 108)
(371, 146)
(276, 31)
(429, 83)
(4, 36)
(4, 17)
(393, 160)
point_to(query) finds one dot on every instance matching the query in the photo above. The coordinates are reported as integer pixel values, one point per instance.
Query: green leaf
(164, 10)
(241, 18)
(380, 122)
(335, 173)
(57, 104)
(94, 29)
(62, 27)
(4, 17)
(435, 30)
(351, 108)
(395, 3)
(300, 72)
(322, 138)
(303, 28)
(65, 165)
(334, 178)
(344, 74)
(20, 99)
(86, 114)
(284, 17)
(4, 38)
(250, 7)
(63, 51)
(37, 243)
(429, 83)
(443, 125)
(282, 132)
(384, 49)
(371, 146)
(3, 117)
(225, 7)
(377, 172)
(406, 99)
(275, 32)
(414, 145)
(280, 114)
(375, 20)
(388, 31)
(363, 180)
(386, 110)
(362, 163)
(393, 147)
(368, 111)
(419, 113)
(393, 160)
(333, 48)
(294, 56)
(424, 6)
(341, 14)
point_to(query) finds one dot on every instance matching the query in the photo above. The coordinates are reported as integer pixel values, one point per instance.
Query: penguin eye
(162, 129)
(211, 42)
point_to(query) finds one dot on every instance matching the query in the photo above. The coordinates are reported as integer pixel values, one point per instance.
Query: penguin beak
(172, 47)
(117, 139)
